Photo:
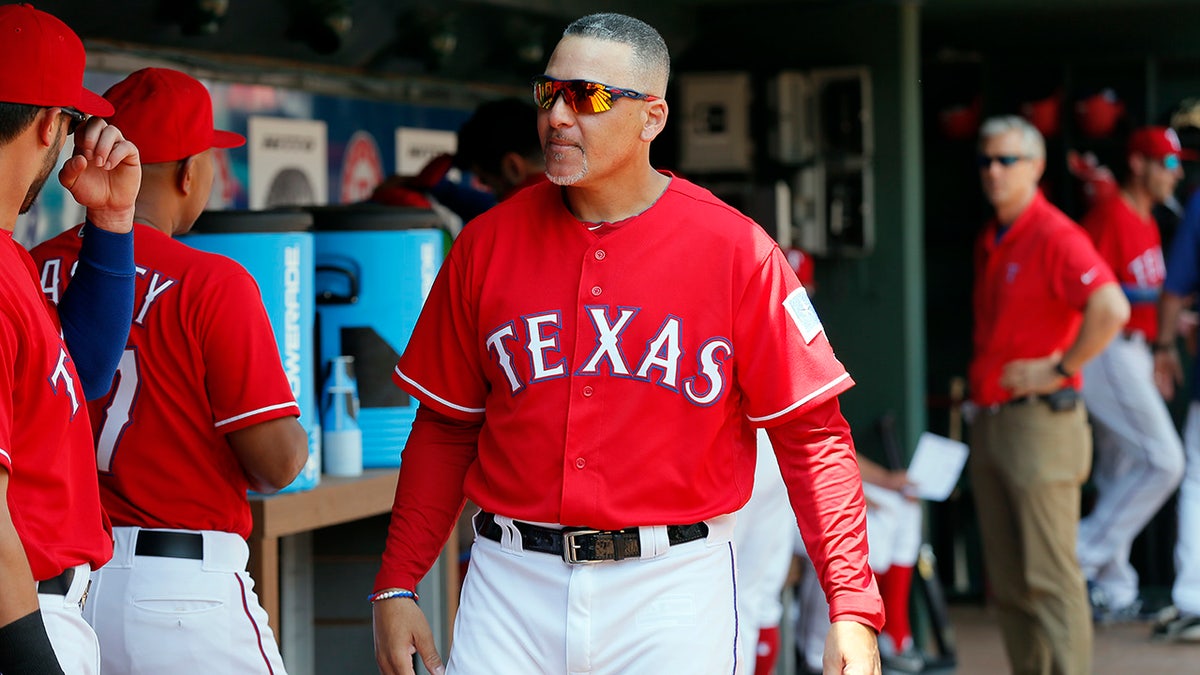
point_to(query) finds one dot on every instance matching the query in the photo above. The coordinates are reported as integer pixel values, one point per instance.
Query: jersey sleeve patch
(801, 310)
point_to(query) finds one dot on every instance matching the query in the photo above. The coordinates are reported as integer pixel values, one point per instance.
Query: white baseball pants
(893, 528)
(157, 615)
(1137, 463)
(525, 613)
(73, 639)
(763, 542)
(1186, 591)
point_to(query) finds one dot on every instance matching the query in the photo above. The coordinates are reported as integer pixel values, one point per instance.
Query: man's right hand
(1168, 371)
(402, 630)
(104, 175)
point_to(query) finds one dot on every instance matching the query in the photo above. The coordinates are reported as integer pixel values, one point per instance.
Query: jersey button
(580, 463)
(600, 254)
(596, 290)
(587, 391)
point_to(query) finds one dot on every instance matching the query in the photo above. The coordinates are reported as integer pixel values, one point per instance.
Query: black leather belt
(1059, 401)
(59, 585)
(582, 545)
(187, 545)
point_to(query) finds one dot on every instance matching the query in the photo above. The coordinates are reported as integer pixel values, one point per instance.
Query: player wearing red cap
(600, 411)
(175, 415)
(1139, 456)
(1045, 304)
(52, 530)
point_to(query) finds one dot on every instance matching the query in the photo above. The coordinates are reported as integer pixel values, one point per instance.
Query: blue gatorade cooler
(276, 247)
(374, 268)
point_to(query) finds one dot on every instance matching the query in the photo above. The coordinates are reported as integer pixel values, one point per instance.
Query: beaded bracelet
(392, 593)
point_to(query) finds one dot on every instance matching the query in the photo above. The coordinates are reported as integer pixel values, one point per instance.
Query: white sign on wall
(415, 147)
(287, 162)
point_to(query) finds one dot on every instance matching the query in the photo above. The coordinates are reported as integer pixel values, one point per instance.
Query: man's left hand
(851, 649)
(104, 175)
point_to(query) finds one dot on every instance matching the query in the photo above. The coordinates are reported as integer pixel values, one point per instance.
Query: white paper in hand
(936, 466)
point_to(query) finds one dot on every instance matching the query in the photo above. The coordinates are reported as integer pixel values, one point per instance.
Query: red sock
(895, 585)
(768, 650)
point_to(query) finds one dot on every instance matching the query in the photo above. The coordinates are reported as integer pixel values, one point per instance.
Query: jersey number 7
(117, 413)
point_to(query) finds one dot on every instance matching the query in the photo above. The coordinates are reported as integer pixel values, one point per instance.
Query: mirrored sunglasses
(985, 161)
(1171, 162)
(582, 96)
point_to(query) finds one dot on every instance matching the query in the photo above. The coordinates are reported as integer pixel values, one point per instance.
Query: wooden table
(335, 500)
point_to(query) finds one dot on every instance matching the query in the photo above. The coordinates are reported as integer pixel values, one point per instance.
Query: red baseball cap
(167, 114)
(42, 62)
(1158, 142)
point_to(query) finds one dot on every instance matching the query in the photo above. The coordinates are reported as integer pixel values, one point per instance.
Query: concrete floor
(1121, 649)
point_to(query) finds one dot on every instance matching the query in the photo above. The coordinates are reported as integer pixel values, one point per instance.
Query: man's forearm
(817, 460)
(97, 308)
(1106, 312)
(1170, 306)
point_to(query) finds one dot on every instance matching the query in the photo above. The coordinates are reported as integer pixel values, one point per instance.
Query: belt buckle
(570, 548)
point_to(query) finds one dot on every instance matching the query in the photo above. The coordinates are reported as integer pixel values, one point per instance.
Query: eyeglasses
(985, 161)
(77, 118)
(583, 96)
(1171, 162)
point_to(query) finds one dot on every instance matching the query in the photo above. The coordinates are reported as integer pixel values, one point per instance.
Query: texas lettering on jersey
(660, 360)
(61, 380)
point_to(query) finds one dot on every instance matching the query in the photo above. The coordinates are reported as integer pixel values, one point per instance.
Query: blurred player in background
(1138, 459)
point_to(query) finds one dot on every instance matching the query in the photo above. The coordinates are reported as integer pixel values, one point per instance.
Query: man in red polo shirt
(1045, 304)
(1139, 456)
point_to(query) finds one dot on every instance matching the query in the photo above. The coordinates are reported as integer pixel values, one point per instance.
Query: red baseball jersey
(1132, 247)
(1031, 287)
(45, 440)
(617, 391)
(201, 362)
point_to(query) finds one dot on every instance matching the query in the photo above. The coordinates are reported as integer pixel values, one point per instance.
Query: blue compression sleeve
(97, 307)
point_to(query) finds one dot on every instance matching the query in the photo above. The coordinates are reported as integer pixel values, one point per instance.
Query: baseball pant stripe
(254, 626)
(736, 622)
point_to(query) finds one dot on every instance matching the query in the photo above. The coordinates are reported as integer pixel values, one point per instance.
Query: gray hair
(1032, 142)
(651, 60)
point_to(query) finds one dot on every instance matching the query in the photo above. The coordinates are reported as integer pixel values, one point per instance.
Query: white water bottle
(341, 437)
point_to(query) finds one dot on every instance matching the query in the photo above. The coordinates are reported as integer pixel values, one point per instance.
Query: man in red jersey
(52, 530)
(602, 413)
(199, 412)
(1045, 304)
(1139, 455)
